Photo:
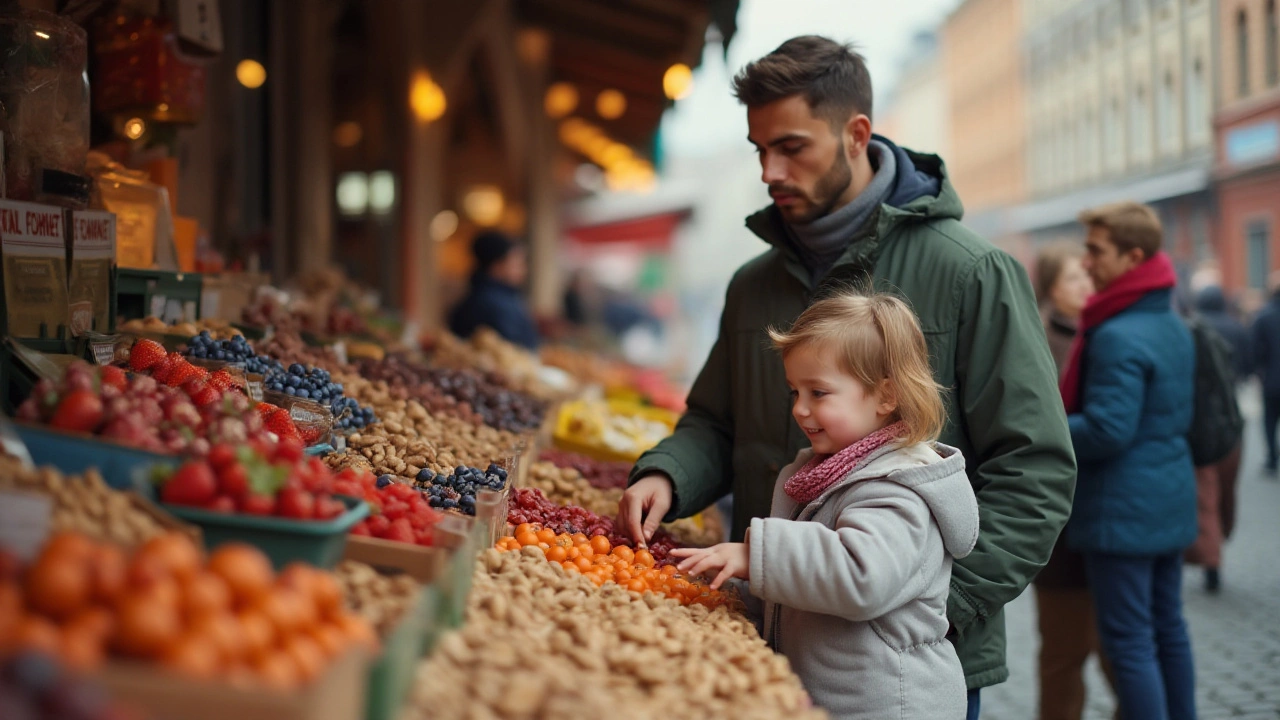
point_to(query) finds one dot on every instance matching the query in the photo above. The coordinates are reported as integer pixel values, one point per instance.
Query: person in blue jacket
(494, 299)
(1128, 388)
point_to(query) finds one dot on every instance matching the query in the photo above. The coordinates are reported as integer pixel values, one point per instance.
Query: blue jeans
(975, 705)
(1140, 626)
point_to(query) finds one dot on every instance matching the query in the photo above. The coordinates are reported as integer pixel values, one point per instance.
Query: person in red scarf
(1128, 390)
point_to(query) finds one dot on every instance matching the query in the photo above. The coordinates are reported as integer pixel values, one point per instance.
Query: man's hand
(643, 506)
(732, 560)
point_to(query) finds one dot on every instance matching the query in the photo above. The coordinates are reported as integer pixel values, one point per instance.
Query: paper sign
(24, 522)
(35, 268)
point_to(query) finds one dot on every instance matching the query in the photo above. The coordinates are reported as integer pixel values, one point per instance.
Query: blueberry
(426, 475)
(435, 502)
(296, 369)
(449, 503)
(384, 480)
(303, 393)
(291, 390)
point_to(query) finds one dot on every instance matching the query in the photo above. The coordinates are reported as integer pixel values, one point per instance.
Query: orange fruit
(33, 632)
(623, 577)
(526, 528)
(307, 655)
(96, 621)
(583, 564)
(558, 554)
(58, 585)
(546, 535)
(624, 552)
(176, 551)
(357, 629)
(329, 638)
(81, 650)
(568, 565)
(297, 575)
(644, 557)
(669, 570)
(10, 612)
(226, 633)
(204, 594)
(573, 553)
(278, 606)
(527, 538)
(70, 544)
(107, 573)
(278, 671)
(600, 544)
(585, 550)
(258, 633)
(637, 585)
(145, 624)
(327, 594)
(246, 571)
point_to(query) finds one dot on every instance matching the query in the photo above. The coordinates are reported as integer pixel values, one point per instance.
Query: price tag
(104, 353)
(157, 306)
(340, 351)
(340, 443)
(254, 390)
(24, 522)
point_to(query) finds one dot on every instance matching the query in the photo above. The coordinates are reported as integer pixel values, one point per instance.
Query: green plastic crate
(318, 543)
(391, 676)
(455, 581)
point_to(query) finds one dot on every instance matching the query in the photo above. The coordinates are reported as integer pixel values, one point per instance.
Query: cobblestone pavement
(1235, 635)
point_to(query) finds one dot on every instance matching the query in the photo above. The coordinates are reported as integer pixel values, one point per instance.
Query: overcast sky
(711, 121)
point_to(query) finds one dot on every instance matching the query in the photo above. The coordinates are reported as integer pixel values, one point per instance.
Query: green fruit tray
(391, 675)
(316, 542)
(122, 467)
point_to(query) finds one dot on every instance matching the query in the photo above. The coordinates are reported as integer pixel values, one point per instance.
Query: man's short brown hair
(1130, 224)
(833, 79)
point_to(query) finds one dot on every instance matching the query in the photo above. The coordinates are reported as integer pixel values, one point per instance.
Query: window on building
(1166, 113)
(1197, 107)
(1242, 54)
(1258, 242)
(1139, 137)
(1273, 46)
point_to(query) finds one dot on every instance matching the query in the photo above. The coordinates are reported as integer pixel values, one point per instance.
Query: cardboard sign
(24, 522)
(93, 253)
(200, 24)
(33, 239)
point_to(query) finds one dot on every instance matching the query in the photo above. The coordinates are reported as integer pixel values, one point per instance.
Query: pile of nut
(409, 380)
(409, 438)
(488, 352)
(380, 599)
(84, 504)
(289, 348)
(542, 643)
(566, 486)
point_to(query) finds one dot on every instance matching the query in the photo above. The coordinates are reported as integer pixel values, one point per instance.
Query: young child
(854, 563)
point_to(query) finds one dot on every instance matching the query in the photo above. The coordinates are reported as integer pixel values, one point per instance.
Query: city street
(1236, 635)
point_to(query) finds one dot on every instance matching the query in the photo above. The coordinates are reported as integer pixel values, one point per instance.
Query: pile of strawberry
(139, 412)
(396, 511)
(277, 481)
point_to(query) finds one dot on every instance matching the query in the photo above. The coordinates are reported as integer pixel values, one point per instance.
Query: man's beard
(826, 193)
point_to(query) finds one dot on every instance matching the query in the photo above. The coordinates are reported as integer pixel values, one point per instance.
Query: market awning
(653, 232)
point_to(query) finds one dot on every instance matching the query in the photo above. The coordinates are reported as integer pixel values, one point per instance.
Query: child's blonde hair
(877, 338)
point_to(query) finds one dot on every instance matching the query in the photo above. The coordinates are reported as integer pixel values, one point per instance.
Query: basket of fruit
(278, 502)
(611, 430)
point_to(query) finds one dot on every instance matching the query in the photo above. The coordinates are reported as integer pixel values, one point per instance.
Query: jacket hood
(935, 473)
(921, 191)
(1211, 300)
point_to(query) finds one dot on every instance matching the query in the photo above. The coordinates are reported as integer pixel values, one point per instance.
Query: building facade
(916, 113)
(1247, 130)
(981, 50)
(1120, 101)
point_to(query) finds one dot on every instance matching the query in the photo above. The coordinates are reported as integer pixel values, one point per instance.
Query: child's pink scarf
(823, 471)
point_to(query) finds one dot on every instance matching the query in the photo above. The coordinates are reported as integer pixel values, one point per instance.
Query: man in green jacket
(851, 208)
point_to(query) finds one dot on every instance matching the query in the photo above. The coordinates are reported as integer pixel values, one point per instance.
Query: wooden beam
(611, 22)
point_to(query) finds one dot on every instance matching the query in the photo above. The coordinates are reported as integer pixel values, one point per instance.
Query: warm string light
(624, 170)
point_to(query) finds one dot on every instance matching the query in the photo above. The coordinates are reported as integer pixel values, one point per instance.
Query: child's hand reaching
(732, 560)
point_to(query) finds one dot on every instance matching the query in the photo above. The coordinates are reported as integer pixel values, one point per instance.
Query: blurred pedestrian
(494, 299)
(851, 208)
(1064, 606)
(1128, 388)
(1266, 356)
(1216, 483)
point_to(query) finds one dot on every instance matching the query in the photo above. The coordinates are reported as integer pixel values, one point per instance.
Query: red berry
(361, 529)
(395, 509)
(425, 537)
(401, 531)
(114, 377)
(233, 480)
(223, 504)
(296, 503)
(193, 484)
(222, 380)
(379, 525)
(221, 455)
(145, 354)
(257, 504)
(288, 451)
(328, 508)
(78, 411)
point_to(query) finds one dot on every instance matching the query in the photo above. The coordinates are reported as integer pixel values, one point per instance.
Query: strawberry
(207, 395)
(221, 455)
(182, 372)
(222, 380)
(296, 503)
(257, 504)
(113, 376)
(79, 411)
(282, 425)
(145, 354)
(289, 451)
(223, 504)
(161, 371)
(401, 531)
(361, 529)
(379, 525)
(233, 480)
(328, 508)
(193, 484)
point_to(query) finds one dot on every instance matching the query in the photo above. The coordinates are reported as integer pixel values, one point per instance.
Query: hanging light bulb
(426, 98)
(560, 100)
(611, 104)
(677, 82)
(251, 74)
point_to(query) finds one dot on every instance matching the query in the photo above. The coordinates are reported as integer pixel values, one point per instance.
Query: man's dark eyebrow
(778, 141)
